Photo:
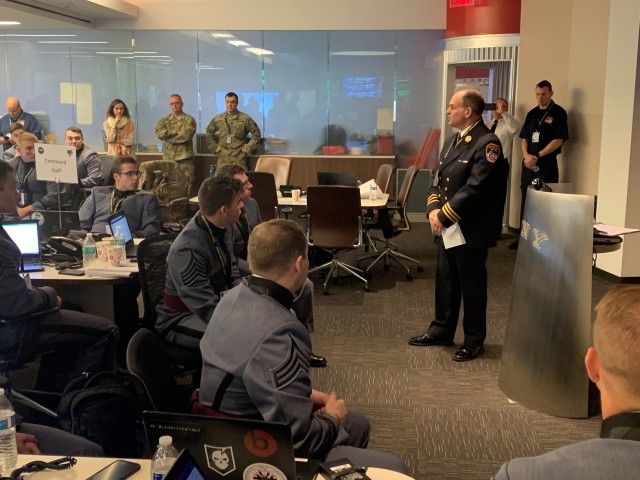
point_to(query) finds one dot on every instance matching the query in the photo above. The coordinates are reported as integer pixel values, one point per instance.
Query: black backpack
(104, 408)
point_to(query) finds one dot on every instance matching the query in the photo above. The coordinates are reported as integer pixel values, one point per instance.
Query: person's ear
(592, 363)
(298, 264)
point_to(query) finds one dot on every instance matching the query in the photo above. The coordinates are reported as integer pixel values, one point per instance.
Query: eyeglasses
(74, 138)
(131, 174)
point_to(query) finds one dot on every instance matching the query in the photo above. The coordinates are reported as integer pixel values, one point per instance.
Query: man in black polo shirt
(544, 132)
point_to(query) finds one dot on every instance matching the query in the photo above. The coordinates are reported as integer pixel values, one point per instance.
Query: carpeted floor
(445, 419)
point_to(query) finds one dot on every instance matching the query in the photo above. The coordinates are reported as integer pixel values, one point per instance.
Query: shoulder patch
(492, 152)
(285, 373)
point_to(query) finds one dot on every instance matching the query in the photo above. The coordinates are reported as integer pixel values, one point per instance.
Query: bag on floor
(103, 408)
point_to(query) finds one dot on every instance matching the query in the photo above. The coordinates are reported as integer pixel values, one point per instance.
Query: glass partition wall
(357, 92)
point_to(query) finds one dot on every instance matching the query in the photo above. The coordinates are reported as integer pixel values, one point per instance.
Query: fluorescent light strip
(65, 41)
(222, 35)
(238, 43)
(362, 53)
(120, 53)
(259, 51)
(24, 35)
(9, 22)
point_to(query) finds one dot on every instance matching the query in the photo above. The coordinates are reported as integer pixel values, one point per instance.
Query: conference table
(379, 202)
(87, 466)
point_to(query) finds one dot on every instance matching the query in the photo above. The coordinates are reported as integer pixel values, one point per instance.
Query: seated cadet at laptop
(34, 194)
(249, 218)
(255, 356)
(92, 338)
(15, 129)
(200, 264)
(141, 208)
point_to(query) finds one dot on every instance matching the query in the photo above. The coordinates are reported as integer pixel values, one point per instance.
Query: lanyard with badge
(23, 183)
(535, 138)
(228, 129)
(220, 253)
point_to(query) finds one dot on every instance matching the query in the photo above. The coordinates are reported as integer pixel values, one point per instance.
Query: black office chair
(265, 193)
(334, 224)
(18, 356)
(148, 361)
(392, 227)
(152, 265)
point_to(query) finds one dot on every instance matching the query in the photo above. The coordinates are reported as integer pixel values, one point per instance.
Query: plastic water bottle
(212, 170)
(89, 252)
(373, 191)
(164, 458)
(119, 240)
(8, 449)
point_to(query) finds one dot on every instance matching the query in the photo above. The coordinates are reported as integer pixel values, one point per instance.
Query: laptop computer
(25, 235)
(230, 448)
(185, 468)
(119, 219)
(53, 222)
(347, 179)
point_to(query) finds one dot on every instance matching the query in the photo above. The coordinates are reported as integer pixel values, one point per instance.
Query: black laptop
(26, 236)
(347, 179)
(119, 219)
(53, 222)
(230, 448)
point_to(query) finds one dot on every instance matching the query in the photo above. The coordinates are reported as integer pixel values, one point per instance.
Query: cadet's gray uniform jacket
(142, 212)
(39, 193)
(194, 274)
(16, 299)
(89, 167)
(262, 344)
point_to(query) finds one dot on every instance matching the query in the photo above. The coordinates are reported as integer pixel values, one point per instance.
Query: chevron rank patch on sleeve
(287, 371)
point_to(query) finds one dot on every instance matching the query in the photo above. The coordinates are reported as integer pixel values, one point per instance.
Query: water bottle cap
(1, 391)
(165, 440)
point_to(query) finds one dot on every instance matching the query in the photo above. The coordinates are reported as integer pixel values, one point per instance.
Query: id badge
(228, 138)
(22, 199)
(535, 138)
(436, 178)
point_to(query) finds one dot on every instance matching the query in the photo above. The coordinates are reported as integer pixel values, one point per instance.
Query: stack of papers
(112, 272)
(612, 230)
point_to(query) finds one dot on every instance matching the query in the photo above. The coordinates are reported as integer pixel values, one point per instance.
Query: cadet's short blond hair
(27, 137)
(616, 335)
(274, 246)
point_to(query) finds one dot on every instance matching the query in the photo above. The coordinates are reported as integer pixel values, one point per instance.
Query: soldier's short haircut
(543, 84)
(275, 245)
(472, 99)
(5, 171)
(231, 94)
(176, 95)
(75, 129)
(119, 161)
(27, 137)
(229, 170)
(616, 336)
(216, 192)
(15, 126)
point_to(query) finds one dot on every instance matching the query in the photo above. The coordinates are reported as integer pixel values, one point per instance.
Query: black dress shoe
(468, 352)
(317, 361)
(427, 340)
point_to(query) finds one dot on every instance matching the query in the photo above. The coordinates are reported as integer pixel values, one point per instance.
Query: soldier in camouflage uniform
(227, 134)
(176, 131)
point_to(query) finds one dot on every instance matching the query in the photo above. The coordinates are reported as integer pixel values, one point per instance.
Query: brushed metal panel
(549, 323)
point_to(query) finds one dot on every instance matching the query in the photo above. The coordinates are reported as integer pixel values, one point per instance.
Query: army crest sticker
(492, 152)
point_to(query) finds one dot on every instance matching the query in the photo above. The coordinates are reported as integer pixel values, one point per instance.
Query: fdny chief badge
(492, 152)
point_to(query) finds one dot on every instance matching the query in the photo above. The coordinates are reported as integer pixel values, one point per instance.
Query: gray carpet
(445, 419)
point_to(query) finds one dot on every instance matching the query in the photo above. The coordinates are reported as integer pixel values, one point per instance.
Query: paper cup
(295, 194)
(116, 255)
(101, 248)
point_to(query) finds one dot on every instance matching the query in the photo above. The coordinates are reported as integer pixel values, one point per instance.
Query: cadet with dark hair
(268, 377)
(200, 264)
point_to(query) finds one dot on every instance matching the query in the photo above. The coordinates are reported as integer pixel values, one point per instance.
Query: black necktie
(494, 125)
(244, 229)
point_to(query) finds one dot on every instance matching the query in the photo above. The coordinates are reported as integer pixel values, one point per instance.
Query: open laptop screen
(25, 235)
(119, 220)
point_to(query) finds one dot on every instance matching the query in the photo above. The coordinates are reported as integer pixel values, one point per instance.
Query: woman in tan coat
(119, 130)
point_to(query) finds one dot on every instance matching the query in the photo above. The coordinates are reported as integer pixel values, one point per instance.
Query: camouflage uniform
(236, 127)
(177, 134)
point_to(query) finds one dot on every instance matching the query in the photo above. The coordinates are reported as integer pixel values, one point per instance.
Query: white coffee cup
(295, 195)
(116, 255)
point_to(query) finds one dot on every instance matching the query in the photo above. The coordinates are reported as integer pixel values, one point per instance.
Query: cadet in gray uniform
(259, 366)
(176, 131)
(15, 129)
(249, 218)
(228, 134)
(34, 194)
(93, 338)
(141, 208)
(200, 264)
(87, 160)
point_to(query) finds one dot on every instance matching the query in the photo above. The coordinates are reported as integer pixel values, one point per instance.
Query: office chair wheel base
(366, 288)
(420, 268)
(409, 277)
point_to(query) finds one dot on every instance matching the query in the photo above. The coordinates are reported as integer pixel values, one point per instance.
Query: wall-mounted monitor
(362, 87)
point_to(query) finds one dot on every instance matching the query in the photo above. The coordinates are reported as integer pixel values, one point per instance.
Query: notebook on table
(229, 448)
(119, 219)
(347, 179)
(26, 236)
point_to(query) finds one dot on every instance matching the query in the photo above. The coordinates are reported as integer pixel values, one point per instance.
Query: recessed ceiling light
(6, 22)
(238, 43)
(222, 35)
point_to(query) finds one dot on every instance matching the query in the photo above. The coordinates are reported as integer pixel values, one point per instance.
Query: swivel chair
(265, 193)
(279, 167)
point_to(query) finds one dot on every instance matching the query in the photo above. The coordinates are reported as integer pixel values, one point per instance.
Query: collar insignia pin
(468, 138)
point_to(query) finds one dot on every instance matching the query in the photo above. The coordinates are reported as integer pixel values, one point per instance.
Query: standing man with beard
(465, 193)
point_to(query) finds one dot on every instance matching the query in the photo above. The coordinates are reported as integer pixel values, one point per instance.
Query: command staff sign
(56, 163)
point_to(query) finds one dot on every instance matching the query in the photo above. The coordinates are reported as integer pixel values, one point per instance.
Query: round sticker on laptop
(262, 471)
(260, 443)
